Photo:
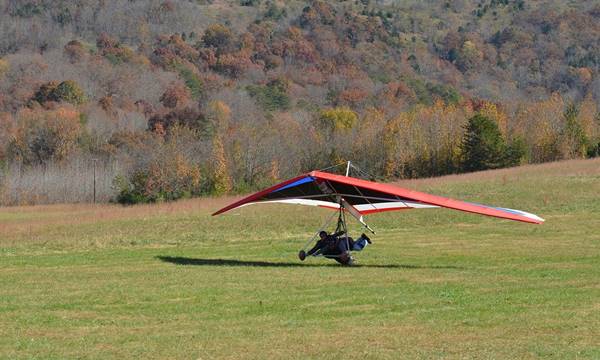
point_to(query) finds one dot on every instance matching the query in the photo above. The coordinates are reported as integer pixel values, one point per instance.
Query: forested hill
(170, 99)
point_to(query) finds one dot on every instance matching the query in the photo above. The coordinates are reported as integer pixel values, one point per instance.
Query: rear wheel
(345, 258)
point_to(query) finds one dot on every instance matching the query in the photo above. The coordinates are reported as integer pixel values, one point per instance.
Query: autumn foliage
(195, 98)
(41, 136)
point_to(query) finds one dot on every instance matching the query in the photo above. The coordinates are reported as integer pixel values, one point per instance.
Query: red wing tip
(532, 221)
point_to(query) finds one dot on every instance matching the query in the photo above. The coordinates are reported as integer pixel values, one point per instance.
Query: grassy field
(169, 281)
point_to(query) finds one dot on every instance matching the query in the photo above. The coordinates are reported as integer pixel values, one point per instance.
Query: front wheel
(302, 255)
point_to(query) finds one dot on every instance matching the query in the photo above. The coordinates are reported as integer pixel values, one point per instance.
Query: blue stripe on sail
(517, 212)
(296, 183)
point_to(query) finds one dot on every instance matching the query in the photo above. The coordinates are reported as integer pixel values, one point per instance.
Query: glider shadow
(179, 260)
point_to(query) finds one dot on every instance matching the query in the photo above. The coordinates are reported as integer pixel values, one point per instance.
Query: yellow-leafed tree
(220, 169)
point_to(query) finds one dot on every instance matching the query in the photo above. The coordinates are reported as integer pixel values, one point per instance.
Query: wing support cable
(325, 226)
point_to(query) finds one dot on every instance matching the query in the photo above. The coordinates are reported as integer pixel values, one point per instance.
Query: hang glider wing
(361, 197)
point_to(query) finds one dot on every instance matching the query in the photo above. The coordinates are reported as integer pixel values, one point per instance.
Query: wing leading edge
(324, 189)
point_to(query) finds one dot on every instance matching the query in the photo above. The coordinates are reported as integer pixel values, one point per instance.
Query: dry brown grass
(572, 167)
(28, 218)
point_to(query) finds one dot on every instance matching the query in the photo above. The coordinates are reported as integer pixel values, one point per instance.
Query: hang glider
(360, 197)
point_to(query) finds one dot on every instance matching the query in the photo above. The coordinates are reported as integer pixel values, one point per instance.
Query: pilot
(338, 247)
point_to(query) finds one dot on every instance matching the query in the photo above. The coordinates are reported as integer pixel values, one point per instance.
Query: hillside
(171, 99)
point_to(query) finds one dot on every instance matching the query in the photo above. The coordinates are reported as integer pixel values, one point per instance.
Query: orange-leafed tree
(218, 36)
(44, 135)
(176, 95)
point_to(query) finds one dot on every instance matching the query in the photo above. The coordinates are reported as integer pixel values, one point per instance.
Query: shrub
(594, 150)
(169, 177)
(130, 191)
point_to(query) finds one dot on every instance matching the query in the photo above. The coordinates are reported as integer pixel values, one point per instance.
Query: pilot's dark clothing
(332, 245)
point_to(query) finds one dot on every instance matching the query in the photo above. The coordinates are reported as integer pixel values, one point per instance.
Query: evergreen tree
(483, 146)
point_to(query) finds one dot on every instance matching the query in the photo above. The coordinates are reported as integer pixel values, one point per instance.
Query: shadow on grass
(178, 260)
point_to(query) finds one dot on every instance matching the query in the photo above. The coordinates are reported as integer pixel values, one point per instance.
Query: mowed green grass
(169, 281)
